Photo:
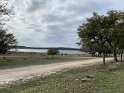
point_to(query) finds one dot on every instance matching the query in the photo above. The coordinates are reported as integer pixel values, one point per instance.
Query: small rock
(85, 79)
(77, 79)
(99, 91)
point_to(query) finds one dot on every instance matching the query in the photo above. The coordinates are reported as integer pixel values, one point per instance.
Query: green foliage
(103, 32)
(7, 41)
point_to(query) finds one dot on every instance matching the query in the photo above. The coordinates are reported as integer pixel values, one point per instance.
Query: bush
(52, 52)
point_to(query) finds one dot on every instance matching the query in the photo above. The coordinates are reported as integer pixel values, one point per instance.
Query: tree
(94, 32)
(103, 30)
(7, 40)
(4, 13)
(121, 46)
(52, 52)
(115, 22)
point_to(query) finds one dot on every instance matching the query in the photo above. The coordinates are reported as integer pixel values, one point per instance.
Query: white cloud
(47, 23)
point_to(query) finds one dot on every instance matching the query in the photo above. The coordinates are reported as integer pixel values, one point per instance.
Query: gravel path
(9, 75)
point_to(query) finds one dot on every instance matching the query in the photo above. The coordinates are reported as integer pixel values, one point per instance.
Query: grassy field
(17, 60)
(105, 79)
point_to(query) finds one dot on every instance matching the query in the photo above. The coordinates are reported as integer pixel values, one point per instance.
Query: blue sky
(54, 23)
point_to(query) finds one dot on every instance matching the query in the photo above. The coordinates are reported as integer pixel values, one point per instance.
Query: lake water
(45, 51)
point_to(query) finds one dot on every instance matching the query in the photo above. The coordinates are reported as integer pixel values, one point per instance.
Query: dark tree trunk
(115, 56)
(114, 51)
(104, 54)
(121, 56)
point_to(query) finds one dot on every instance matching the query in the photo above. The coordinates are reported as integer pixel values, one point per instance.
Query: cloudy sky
(53, 23)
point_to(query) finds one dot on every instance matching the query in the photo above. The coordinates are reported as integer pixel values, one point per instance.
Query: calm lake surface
(45, 51)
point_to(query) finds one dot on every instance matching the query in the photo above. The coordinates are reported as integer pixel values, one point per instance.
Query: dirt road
(8, 75)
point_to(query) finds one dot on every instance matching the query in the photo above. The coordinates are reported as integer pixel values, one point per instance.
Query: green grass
(108, 79)
(36, 60)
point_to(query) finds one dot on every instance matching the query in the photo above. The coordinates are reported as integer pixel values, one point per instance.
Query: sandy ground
(9, 75)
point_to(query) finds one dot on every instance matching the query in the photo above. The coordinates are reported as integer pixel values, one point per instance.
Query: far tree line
(103, 34)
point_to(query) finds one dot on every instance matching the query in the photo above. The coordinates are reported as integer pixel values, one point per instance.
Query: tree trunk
(104, 58)
(121, 56)
(115, 56)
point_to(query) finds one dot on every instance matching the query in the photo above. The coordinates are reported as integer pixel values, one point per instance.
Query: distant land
(60, 48)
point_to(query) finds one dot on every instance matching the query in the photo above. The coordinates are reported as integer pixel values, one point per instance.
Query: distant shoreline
(37, 50)
(59, 48)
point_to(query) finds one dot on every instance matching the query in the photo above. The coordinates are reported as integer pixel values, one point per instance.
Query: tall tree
(7, 40)
(103, 30)
(94, 31)
(115, 22)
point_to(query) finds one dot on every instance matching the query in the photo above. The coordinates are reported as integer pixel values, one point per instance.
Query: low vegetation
(19, 60)
(93, 79)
